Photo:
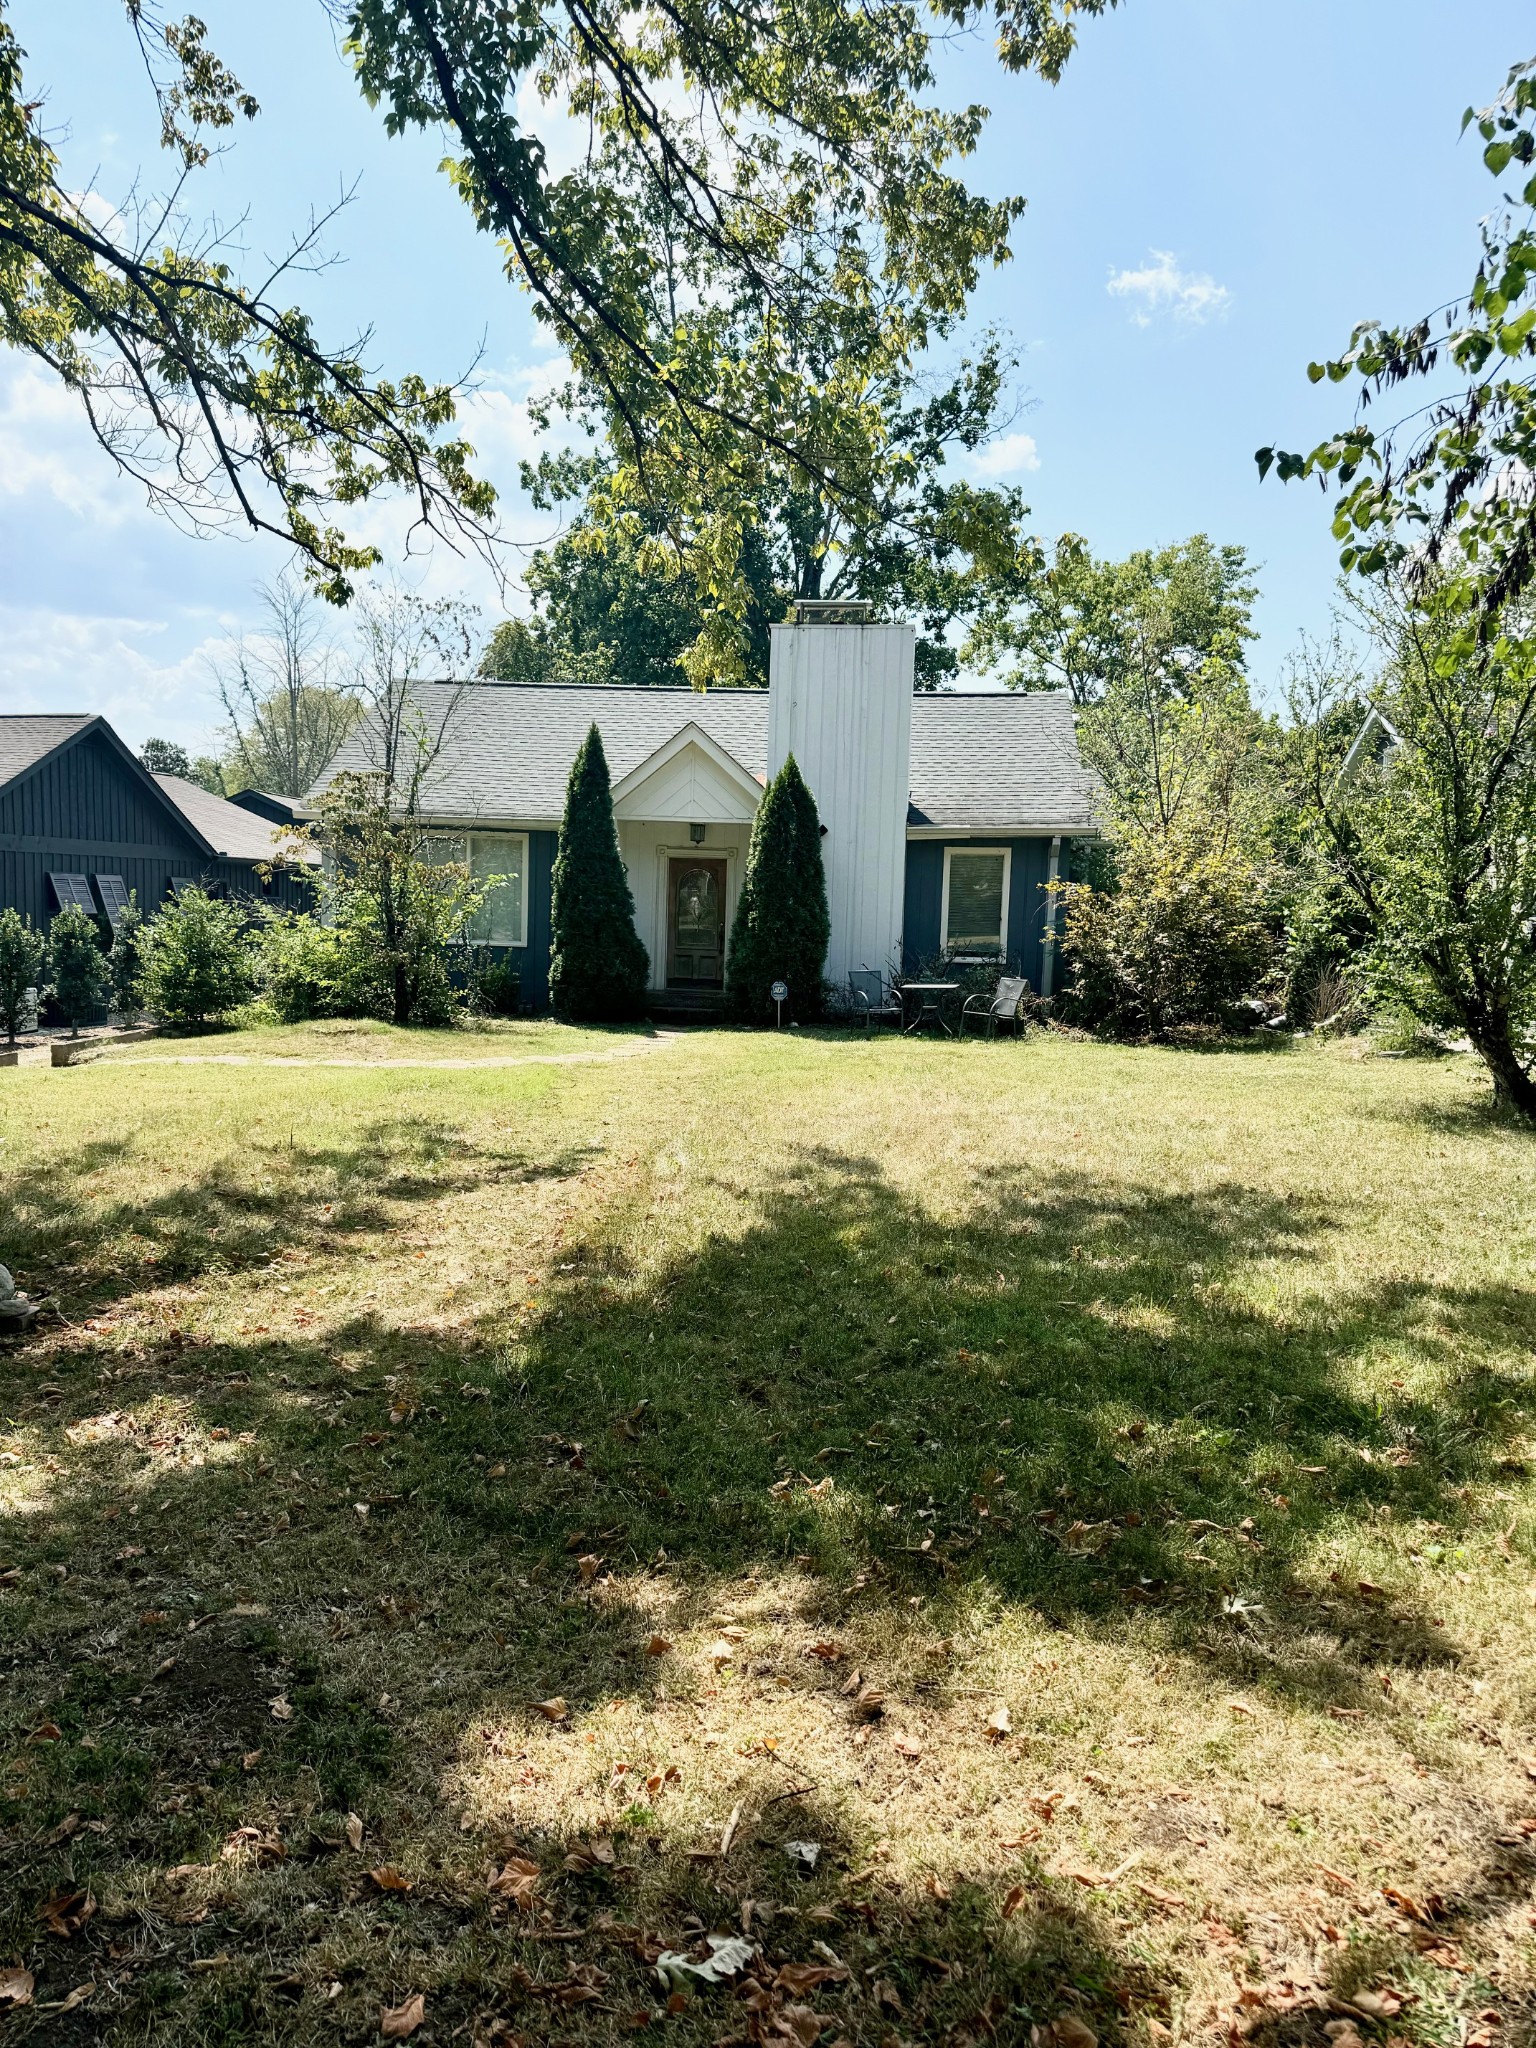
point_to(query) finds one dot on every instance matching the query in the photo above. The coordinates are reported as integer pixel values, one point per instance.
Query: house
(83, 821)
(945, 816)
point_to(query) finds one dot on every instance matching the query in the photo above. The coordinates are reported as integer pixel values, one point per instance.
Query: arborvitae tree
(80, 979)
(781, 927)
(125, 962)
(812, 925)
(23, 963)
(598, 968)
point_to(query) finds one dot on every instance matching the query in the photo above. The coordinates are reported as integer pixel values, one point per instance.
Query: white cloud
(1160, 286)
(123, 668)
(1006, 456)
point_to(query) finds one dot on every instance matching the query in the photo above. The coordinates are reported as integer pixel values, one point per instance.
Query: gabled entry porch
(684, 817)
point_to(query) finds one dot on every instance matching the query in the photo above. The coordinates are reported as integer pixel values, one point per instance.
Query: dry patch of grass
(463, 1530)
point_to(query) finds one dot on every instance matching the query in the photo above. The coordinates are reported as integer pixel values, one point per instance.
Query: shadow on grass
(1066, 1397)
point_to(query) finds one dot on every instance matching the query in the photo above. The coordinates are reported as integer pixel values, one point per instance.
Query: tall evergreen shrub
(125, 962)
(80, 978)
(23, 963)
(598, 968)
(781, 928)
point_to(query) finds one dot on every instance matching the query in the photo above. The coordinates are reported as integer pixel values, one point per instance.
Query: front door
(696, 924)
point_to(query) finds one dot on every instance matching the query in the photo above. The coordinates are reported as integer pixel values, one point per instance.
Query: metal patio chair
(872, 1003)
(1001, 1007)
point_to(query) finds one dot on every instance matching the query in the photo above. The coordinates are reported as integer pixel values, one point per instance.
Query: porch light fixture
(696, 834)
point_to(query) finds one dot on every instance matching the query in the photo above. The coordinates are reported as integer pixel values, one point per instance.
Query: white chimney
(840, 701)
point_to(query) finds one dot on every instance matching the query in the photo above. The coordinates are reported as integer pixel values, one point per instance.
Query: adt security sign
(780, 994)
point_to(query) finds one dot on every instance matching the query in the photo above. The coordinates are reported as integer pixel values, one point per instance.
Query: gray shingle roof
(25, 739)
(987, 761)
(992, 759)
(230, 831)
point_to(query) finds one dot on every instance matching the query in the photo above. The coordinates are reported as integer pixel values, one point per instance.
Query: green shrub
(781, 926)
(197, 960)
(125, 961)
(597, 968)
(495, 986)
(308, 969)
(23, 964)
(80, 979)
(1187, 933)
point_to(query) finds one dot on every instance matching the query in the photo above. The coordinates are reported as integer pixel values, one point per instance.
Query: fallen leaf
(280, 1708)
(728, 1957)
(658, 1646)
(1377, 2005)
(65, 1913)
(999, 1725)
(1368, 1590)
(47, 1731)
(869, 1705)
(76, 1997)
(826, 1653)
(517, 1881)
(1071, 2032)
(1014, 1900)
(354, 1831)
(1169, 1900)
(553, 1710)
(1343, 2034)
(589, 1567)
(388, 1879)
(588, 1855)
(395, 2022)
(937, 1889)
(16, 1987)
(720, 1652)
(799, 1978)
(250, 1760)
(907, 1746)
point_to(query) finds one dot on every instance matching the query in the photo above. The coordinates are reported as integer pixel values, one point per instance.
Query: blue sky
(1217, 191)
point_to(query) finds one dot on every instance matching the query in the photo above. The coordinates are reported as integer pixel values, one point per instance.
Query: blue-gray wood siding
(531, 962)
(84, 812)
(922, 930)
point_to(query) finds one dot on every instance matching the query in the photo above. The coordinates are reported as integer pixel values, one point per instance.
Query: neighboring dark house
(82, 820)
(280, 810)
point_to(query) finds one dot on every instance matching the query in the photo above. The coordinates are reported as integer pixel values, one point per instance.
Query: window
(500, 859)
(976, 882)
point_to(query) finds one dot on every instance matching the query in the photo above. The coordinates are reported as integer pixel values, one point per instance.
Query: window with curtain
(501, 860)
(976, 899)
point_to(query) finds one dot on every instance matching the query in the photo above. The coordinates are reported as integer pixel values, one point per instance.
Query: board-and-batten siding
(841, 702)
(1028, 901)
(83, 812)
(531, 962)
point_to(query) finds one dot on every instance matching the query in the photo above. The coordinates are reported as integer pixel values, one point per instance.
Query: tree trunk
(1513, 1086)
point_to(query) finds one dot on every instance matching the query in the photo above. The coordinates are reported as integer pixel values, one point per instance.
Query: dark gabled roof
(281, 810)
(27, 741)
(232, 832)
(981, 761)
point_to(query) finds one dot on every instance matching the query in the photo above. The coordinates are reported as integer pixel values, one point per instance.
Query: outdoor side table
(925, 1002)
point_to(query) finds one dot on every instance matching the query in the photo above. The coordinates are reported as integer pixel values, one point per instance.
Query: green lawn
(345, 1041)
(1087, 1492)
